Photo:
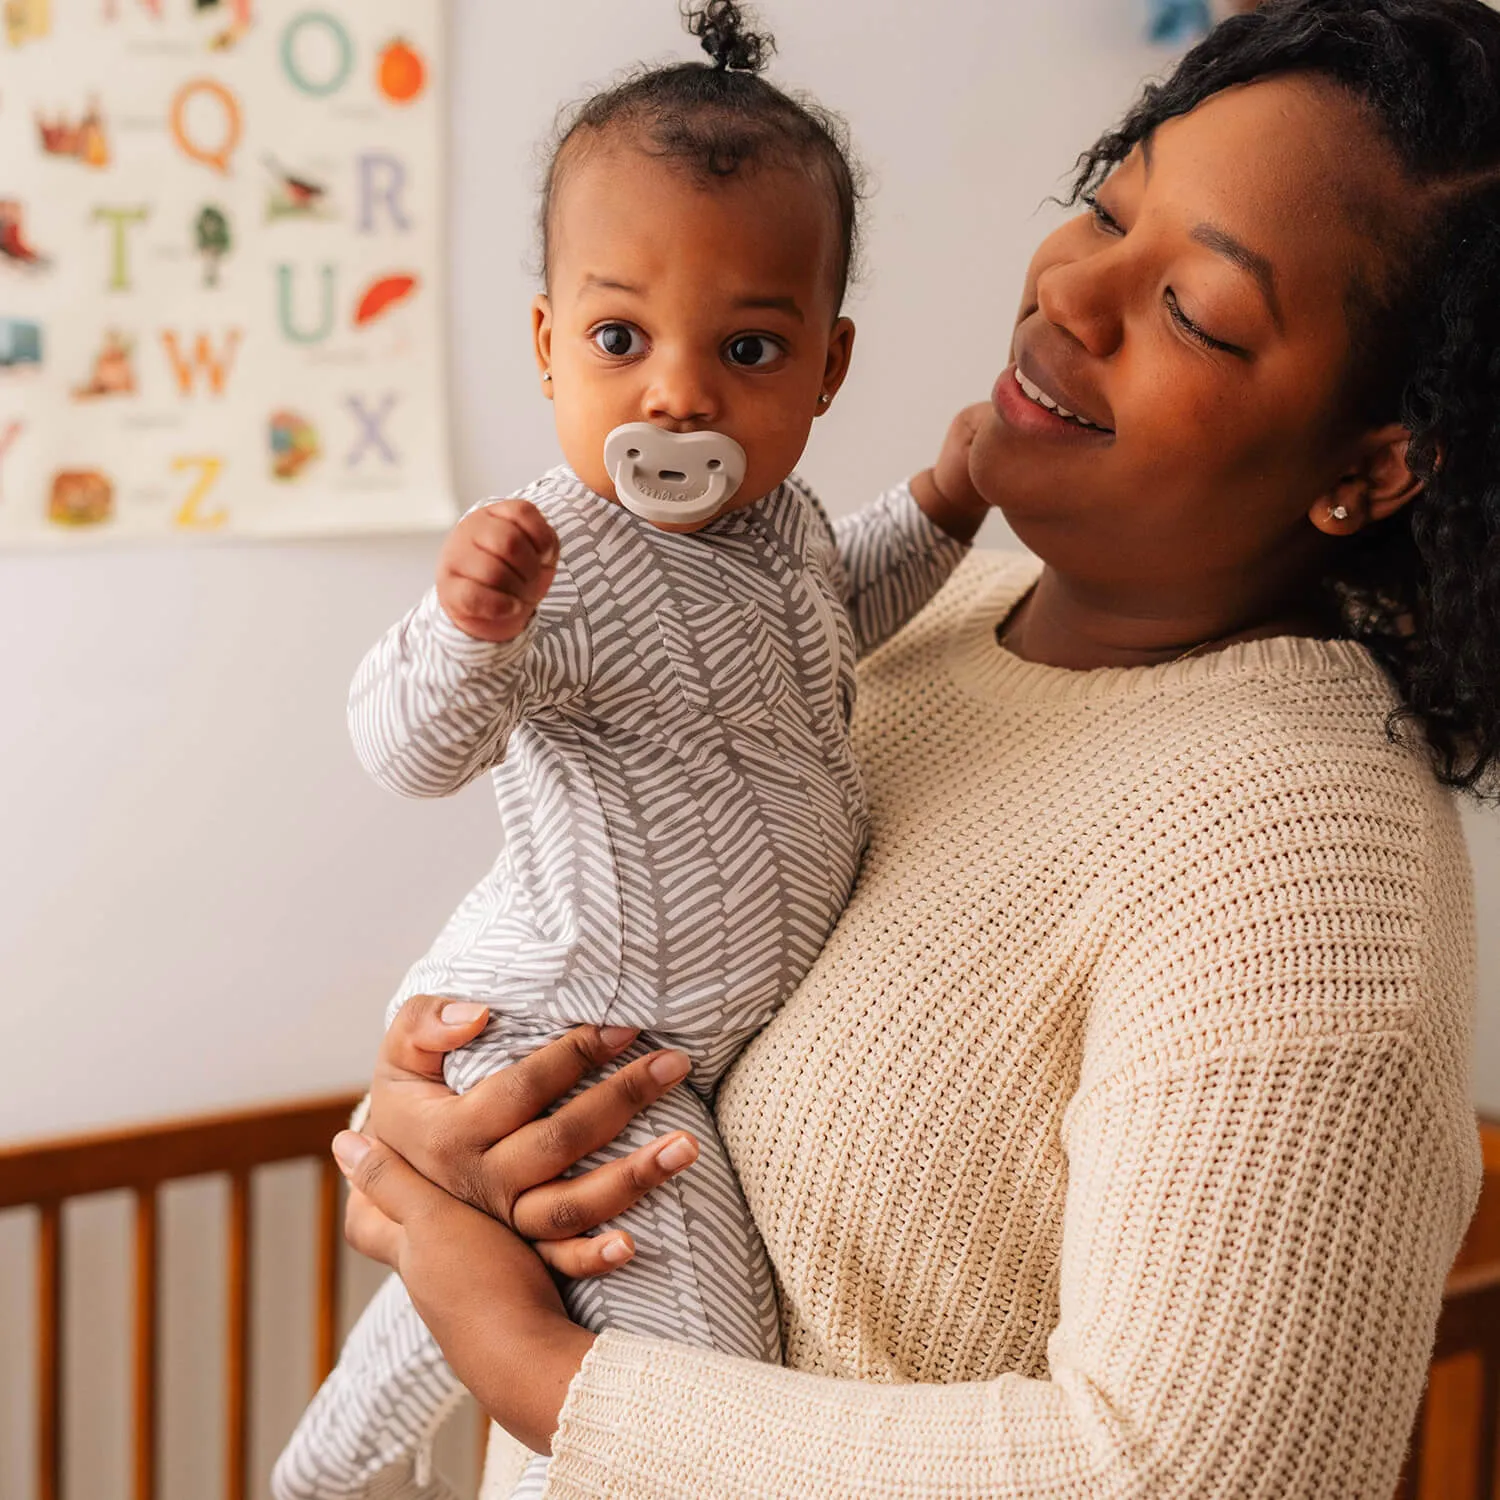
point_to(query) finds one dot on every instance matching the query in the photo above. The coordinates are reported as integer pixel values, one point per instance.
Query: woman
(1119, 1142)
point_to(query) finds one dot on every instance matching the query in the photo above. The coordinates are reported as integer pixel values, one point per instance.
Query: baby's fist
(495, 568)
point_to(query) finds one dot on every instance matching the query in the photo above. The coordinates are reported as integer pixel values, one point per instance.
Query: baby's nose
(681, 394)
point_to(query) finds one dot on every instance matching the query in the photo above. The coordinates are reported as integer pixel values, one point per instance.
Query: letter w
(215, 367)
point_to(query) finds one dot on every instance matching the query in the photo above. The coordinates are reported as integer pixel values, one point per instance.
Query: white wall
(202, 901)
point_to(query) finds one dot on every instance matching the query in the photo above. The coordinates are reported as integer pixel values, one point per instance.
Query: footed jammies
(683, 819)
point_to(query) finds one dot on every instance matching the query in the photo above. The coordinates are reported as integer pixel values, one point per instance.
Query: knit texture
(1119, 1140)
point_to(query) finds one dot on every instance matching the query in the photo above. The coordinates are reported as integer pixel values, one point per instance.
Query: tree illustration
(214, 242)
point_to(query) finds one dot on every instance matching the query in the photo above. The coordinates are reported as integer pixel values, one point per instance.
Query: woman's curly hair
(1421, 589)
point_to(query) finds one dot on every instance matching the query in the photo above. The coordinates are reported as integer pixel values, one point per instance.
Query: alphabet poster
(221, 298)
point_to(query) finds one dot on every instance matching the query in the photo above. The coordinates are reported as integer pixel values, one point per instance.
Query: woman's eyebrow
(1221, 242)
(1211, 237)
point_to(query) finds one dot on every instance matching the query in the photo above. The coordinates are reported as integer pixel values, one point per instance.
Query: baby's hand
(495, 568)
(945, 491)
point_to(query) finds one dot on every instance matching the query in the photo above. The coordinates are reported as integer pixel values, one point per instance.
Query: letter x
(371, 433)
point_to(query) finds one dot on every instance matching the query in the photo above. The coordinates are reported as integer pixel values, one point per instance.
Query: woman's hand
(486, 1297)
(493, 1149)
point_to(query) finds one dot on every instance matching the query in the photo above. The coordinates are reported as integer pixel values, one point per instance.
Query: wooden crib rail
(45, 1175)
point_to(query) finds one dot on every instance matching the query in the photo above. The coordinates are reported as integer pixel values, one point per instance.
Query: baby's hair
(716, 120)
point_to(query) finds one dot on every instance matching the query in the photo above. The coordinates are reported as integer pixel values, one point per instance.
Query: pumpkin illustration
(403, 74)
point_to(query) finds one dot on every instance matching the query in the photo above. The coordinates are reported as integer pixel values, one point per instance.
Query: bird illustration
(293, 195)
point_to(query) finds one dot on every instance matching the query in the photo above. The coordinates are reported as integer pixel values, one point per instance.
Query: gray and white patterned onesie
(683, 820)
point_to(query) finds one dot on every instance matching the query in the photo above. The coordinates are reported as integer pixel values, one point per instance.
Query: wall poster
(221, 299)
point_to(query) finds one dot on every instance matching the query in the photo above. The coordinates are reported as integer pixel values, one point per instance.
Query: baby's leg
(700, 1274)
(368, 1434)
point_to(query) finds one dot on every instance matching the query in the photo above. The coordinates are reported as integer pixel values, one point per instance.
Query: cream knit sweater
(1119, 1141)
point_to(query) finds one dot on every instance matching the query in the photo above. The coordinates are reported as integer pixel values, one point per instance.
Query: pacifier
(676, 478)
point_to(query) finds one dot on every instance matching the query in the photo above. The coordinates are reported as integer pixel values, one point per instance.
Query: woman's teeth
(1035, 393)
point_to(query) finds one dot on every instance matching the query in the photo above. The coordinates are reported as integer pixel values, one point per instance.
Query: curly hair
(717, 120)
(1421, 589)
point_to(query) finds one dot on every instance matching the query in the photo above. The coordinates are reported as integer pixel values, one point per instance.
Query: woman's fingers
(559, 1210)
(370, 1232)
(548, 1147)
(392, 1185)
(425, 1028)
(517, 1095)
(582, 1258)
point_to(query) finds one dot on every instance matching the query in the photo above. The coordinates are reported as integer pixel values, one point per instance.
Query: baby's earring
(1338, 512)
(546, 376)
(824, 399)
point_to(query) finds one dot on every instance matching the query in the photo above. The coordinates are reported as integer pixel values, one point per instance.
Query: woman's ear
(1378, 486)
(836, 366)
(541, 340)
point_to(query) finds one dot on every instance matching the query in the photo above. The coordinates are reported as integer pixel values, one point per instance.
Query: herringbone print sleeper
(683, 819)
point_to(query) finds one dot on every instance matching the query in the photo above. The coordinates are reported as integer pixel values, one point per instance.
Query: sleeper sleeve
(431, 708)
(893, 560)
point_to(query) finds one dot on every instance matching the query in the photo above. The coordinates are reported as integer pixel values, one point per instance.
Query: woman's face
(1198, 317)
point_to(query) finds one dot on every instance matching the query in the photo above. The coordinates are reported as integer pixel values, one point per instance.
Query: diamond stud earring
(1338, 512)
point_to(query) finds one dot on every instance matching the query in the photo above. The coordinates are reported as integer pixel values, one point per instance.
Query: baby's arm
(500, 636)
(895, 554)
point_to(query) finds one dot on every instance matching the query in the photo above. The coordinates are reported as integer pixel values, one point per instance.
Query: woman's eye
(1102, 216)
(1193, 331)
(752, 349)
(618, 340)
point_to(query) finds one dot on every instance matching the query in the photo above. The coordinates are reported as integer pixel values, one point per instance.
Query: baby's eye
(750, 350)
(619, 340)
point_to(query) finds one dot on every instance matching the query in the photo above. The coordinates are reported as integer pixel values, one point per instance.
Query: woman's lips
(1018, 410)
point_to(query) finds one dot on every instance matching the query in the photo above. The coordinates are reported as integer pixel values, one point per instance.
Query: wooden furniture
(1454, 1453)
(46, 1175)
(1456, 1445)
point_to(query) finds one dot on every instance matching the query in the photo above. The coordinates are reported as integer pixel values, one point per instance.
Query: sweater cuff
(609, 1437)
(464, 649)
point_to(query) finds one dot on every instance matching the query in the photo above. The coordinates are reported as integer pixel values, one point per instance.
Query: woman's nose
(1085, 297)
(681, 390)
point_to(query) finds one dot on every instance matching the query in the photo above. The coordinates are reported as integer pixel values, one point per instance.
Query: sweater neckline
(985, 669)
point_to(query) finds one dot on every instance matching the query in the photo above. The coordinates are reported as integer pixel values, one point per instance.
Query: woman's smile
(1027, 406)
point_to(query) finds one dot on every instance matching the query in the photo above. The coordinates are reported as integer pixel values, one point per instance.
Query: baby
(652, 652)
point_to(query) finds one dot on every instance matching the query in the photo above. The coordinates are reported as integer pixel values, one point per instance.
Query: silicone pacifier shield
(676, 478)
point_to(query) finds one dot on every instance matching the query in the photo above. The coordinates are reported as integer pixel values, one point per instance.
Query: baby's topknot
(715, 120)
(720, 26)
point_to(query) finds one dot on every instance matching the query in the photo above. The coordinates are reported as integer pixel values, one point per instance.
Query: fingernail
(549, 557)
(670, 1067)
(461, 1012)
(678, 1154)
(615, 1037)
(617, 1251)
(349, 1149)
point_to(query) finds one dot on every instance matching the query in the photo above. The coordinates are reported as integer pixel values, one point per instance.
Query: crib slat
(144, 1399)
(49, 1318)
(237, 1416)
(330, 1239)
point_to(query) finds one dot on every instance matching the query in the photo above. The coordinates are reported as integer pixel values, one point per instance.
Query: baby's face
(693, 308)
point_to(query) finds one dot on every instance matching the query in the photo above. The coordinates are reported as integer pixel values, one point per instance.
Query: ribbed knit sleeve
(1265, 1157)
